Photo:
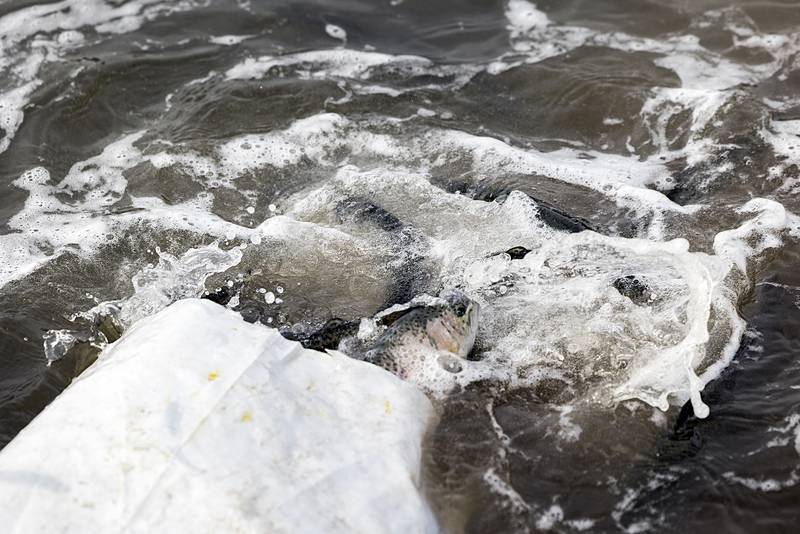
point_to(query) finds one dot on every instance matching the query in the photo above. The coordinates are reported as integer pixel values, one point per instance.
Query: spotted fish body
(448, 328)
(327, 337)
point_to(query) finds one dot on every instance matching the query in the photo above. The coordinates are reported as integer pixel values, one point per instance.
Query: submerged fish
(411, 274)
(447, 328)
(329, 336)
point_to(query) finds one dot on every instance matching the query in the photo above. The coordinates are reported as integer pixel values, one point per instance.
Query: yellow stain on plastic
(387, 407)
(213, 375)
(246, 417)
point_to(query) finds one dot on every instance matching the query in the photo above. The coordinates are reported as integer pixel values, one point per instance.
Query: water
(151, 150)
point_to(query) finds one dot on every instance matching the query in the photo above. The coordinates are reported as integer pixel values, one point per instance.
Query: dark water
(646, 119)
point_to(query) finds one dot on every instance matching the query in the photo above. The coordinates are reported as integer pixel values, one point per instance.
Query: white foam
(797, 439)
(666, 103)
(228, 40)
(74, 214)
(304, 138)
(504, 489)
(621, 178)
(48, 222)
(569, 431)
(325, 63)
(784, 138)
(336, 32)
(65, 15)
(11, 115)
(708, 79)
(580, 524)
(550, 517)
(787, 434)
(532, 33)
(523, 17)
(766, 485)
(309, 138)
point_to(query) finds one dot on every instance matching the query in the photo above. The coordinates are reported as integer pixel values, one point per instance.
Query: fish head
(454, 327)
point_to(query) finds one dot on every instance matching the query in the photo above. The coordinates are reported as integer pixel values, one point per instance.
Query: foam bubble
(336, 32)
(228, 40)
(523, 17)
(550, 517)
(328, 63)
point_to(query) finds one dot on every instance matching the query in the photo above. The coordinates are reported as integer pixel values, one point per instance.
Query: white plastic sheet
(196, 421)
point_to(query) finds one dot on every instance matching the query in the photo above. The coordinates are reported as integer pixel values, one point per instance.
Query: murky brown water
(175, 125)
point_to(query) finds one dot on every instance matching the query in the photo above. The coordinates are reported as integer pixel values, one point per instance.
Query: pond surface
(635, 371)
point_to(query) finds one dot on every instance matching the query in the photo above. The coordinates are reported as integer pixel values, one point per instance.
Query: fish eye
(460, 308)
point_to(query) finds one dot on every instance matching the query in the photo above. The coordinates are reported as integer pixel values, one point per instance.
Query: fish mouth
(474, 313)
(473, 316)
